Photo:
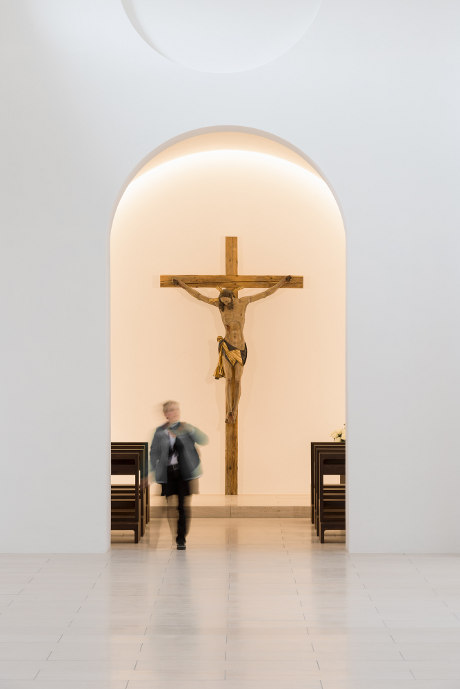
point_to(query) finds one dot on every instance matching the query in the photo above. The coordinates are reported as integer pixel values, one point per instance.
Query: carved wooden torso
(234, 319)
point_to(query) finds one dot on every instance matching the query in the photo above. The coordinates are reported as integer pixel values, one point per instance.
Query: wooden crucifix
(232, 349)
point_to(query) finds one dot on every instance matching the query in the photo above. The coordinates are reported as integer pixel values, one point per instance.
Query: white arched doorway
(172, 219)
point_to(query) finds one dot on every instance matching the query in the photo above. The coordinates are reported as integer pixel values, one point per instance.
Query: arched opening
(172, 219)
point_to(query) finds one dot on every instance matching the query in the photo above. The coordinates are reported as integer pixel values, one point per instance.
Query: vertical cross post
(231, 429)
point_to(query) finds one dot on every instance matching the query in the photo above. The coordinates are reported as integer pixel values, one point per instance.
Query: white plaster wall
(370, 95)
(174, 219)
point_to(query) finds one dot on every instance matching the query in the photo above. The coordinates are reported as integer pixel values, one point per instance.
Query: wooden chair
(316, 449)
(142, 448)
(126, 502)
(331, 502)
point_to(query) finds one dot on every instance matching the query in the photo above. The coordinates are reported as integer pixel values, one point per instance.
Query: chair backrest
(125, 463)
(331, 464)
(142, 448)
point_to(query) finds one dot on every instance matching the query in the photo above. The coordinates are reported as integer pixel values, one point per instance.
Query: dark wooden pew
(331, 498)
(316, 449)
(142, 449)
(126, 501)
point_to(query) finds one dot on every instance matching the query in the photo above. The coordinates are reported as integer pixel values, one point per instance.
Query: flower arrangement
(339, 435)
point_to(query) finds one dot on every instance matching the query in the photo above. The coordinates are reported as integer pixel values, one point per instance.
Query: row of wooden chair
(130, 502)
(327, 500)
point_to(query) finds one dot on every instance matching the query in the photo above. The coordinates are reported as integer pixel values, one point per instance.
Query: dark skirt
(176, 484)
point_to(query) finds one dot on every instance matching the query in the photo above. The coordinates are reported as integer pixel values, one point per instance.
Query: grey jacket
(190, 460)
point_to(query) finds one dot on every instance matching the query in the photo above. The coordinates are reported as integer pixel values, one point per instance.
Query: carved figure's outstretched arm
(266, 292)
(195, 293)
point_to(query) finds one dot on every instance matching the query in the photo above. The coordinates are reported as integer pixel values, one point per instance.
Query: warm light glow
(172, 219)
(231, 157)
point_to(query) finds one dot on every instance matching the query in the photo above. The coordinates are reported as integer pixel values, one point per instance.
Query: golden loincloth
(232, 354)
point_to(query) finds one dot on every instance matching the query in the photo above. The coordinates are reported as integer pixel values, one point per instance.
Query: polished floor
(204, 505)
(252, 603)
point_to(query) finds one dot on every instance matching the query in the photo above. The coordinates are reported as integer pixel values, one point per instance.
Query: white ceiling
(221, 35)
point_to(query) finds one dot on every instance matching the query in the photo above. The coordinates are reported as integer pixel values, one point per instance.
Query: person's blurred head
(172, 411)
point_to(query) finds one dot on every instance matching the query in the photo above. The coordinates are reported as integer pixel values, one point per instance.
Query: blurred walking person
(175, 463)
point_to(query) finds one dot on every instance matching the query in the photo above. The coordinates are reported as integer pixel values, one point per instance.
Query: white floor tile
(18, 669)
(261, 683)
(441, 651)
(436, 670)
(273, 669)
(58, 684)
(368, 683)
(25, 650)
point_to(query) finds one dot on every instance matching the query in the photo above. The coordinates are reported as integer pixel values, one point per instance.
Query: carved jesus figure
(232, 348)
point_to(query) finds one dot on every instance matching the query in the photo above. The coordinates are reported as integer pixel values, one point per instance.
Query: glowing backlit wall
(173, 219)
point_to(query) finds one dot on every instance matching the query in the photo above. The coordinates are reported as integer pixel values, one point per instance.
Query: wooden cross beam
(231, 280)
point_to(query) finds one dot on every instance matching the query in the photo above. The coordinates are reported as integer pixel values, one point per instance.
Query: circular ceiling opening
(221, 35)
